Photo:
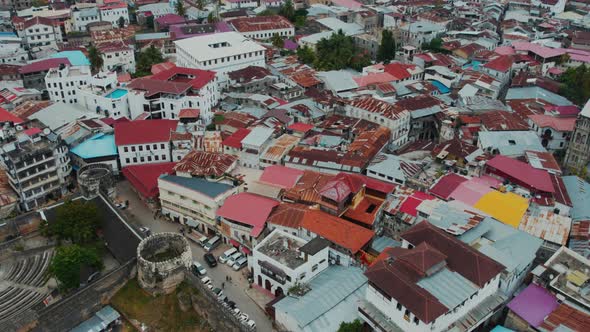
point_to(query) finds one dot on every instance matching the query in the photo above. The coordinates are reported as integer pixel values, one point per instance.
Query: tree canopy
(386, 51)
(354, 326)
(121, 22)
(306, 55)
(146, 60)
(575, 84)
(435, 45)
(338, 52)
(76, 221)
(95, 58)
(69, 261)
(179, 8)
(277, 41)
(287, 10)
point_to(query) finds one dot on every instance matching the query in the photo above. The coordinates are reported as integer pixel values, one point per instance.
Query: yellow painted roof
(578, 278)
(506, 207)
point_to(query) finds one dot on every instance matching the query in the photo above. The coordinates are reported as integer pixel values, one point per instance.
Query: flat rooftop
(283, 249)
(215, 46)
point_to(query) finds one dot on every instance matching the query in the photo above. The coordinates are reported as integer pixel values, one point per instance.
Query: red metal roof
(261, 23)
(502, 63)
(144, 178)
(281, 176)
(446, 185)
(399, 70)
(411, 203)
(235, 140)
(197, 78)
(560, 194)
(558, 124)
(189, 113)
(534, 178)
(249, 209)
(6, 116)
(302, 127)
(143, 131)
(43, 65)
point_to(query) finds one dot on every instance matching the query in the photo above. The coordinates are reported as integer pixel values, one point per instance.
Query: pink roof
(6, 116)
(504, 50)
(299, 126)
(555, 71)
(281, 176)
(350, 4)
(43, 65)
(542, 51)
(374, 78)
(502, 63)
(534, 304)
(471, 191)
(567, 110)
(143, 131)
(446, 185)
(558, 124)
(249, 209)
(197, 78)
(411, 203)
(33, 131)
(189, 113)
(522, 172)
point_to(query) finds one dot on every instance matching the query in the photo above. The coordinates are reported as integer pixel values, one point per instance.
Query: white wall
(127, 153)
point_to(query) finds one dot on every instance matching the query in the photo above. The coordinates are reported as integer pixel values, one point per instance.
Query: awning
(234, 243)
(246, 250)
(191, 223)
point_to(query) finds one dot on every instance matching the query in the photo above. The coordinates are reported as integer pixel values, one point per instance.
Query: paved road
(139, 214)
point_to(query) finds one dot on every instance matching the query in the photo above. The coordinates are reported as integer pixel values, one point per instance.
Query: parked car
(240, 263)
(231, 304)
(222, 298)
(243, 317)
(198, 269)
(217, 291)
(145, 231)
(212, 243)
(210, 259)
(251, 324)
(236, 312)
(232, 259)
(206, 280)
(226, 254)
(203, 240)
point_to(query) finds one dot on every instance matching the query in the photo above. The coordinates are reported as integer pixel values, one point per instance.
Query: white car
(198, 269)
(237, 312)
(233, 258)
(240, 263)
(206, 280)
(243, 317)
(225, 256)
(251, 324)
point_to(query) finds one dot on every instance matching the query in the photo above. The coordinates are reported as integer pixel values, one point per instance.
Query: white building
(238, 4)
(41, 33)
(63, 83)
(144, 141)
(263, 27)
(117, 56)
(253, 146)
(81, 17)
(11, 50)
(554, 132)
(282, 260)
(101, 95)
(395, 118)
(221, 52)
(432, 283)
(417, 33)
(112, 11)
(165, 94)
(193, 201)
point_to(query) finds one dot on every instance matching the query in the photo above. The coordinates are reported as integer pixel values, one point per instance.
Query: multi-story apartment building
(578, 151)
(166, 93)
(112, 11)
(117, 56)
(81, 17)
(434, 282)
(263, 27)
(193, 201)
(102, 95)
(40, 33)
(64, 82)
(282, 260)
(38, 166)
(144, 141)
(11, 49)
(221, 52)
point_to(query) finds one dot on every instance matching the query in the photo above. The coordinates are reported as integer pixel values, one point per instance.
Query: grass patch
(160, 313)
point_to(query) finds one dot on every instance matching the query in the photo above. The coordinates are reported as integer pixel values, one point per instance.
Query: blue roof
(449, 287)
(76, 58)
(99, 145)
(579, 192)
(211, 189)
(332, 299)
(501, 328)
(99, 321)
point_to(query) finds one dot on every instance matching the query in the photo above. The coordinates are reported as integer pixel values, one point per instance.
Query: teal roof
(76, 58)
(99, 145)
(211, 189)
(501, 328)
(579, 192)
(449, 287)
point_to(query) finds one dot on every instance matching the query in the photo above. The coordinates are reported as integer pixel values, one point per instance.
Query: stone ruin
(162, 260)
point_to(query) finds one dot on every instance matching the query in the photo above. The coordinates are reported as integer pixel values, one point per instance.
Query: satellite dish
(46, 131)
(19, 128)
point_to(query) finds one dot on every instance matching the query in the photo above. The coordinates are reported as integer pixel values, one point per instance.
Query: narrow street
(140, 215)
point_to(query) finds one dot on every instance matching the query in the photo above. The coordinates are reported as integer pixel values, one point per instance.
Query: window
(163, 157)
(416, 320)
(157, 158)
(149, 158)
(126, 149)
(126, 160)
(155, 146)
(134, 159)
(147, 147)
(399, 306)
(142, 159)
(162, 146)
(314, 267)
(132, 149)
(301, 276)
(141, 148)
(322, 261)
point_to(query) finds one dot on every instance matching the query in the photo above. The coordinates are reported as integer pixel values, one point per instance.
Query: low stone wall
(207, 306)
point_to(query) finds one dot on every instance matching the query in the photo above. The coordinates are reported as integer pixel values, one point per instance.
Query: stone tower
(578, 151)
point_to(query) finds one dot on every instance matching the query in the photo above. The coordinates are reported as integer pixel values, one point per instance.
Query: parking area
(140, 215)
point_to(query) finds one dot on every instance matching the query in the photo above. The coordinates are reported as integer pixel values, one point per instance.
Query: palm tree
(96, 60)
(180, 11)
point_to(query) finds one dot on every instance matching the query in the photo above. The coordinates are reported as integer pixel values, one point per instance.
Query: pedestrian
(223, 285)
(226, 278)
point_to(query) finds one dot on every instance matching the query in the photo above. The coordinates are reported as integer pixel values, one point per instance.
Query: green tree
(146, 60)
(95, 58)
(354, 326)
(386, 51)
(266, 12)
(338, 52)
(69, 260)
(300, 21)
(306, 55)
(76, 221)
(277, 41)
(435, 45)
(121, 22)
(149, 22)
(200, 4)
(360, 61)
(287, 10)
(212, 18)
(575, 84)
(179, 8)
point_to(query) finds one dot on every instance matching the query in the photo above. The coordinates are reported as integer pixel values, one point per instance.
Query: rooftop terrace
(283, 249)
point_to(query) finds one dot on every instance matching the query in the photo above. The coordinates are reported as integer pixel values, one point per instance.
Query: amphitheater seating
(24, 275)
